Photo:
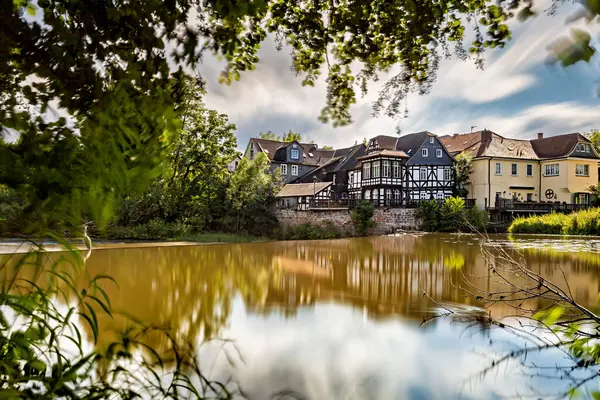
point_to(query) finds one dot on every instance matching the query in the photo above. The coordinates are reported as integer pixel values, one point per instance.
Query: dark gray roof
(410, 143)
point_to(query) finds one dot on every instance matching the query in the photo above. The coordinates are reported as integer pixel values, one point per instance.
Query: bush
(452, 216)
(154, 230)
(585, 222)
(362, 217)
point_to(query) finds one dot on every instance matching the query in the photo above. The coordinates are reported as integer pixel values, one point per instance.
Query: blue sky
(515, 95)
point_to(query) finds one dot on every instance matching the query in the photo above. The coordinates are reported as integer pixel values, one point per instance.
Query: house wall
(581, 183)
(558, 184)
(302, 169)
(567, 182)
(387, 220)
(484, 189)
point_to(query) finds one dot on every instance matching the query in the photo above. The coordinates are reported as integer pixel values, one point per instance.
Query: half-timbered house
(395, 171)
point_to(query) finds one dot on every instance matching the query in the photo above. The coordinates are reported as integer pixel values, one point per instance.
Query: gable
(436, 152)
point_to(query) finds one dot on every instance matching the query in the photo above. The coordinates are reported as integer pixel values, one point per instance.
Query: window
(376, 170)
(513, 169)
(447, 174)
(367, 194)
(424, 152)
(396, 171)
(552, 170)
(529, 196)
(252, 154)
(583, 148)
(385, 167)
(529, 170)
(351, 177)
(423, 174)
(283, 169)
(431, 139)
(295, 154)
(438, 153)
(366, 171)
(396, 194)
(423, 195)
(582, 170)
(498, 168)
(294, 170)
(375, 194)
(388, 195)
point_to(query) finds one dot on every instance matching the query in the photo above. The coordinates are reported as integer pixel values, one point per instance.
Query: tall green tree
(251, 192)
(463, 167)
(191, 189)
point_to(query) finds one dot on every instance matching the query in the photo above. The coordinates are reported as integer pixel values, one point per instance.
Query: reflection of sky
(333, 352)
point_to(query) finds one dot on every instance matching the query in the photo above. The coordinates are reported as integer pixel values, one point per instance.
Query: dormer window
(431, 139)
(424, 152)
(583, 148)
(295, 154)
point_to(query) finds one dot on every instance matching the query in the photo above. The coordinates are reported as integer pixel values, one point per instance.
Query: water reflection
(301, 311)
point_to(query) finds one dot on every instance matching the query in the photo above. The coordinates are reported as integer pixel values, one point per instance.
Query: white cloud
(272, 98)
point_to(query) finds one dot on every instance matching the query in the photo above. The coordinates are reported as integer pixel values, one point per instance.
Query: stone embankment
(387, 220)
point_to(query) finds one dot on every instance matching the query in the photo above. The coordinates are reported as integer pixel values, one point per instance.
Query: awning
(522, 187)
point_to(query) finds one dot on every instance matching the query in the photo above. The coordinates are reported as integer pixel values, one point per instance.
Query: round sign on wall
(549, 193)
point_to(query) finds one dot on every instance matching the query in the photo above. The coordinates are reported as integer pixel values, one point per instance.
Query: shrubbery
(155, 229)
(362, 217)
(585, 222)
(451, 216)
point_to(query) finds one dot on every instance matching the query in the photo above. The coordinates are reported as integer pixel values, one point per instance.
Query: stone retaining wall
(387, 220)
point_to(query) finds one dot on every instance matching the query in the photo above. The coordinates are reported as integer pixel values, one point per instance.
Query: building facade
(293, 159)
(555, 169)
(397, 170)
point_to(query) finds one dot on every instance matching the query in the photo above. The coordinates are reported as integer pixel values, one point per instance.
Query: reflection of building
(388, 275)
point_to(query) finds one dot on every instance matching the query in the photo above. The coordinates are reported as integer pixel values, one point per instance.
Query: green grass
(213, 237)
(586, 222)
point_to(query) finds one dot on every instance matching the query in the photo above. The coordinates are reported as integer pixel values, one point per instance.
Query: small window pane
(424, 152)
(438, 153)
(513, 169)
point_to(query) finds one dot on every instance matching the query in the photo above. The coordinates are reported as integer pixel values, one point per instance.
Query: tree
(250, 193)
(114, 46)
(191, 189)
(292, 136)
(327, 147)
(594, 137)
(462, 174)
(269, 135)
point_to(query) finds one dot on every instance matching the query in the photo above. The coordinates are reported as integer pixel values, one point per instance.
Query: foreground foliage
(451, 216)
(586, 222)
(46, 313)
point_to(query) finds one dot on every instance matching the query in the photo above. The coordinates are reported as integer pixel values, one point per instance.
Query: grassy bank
(585, 222)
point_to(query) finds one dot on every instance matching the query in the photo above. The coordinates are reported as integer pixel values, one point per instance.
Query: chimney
(540, 135)
(486, 136)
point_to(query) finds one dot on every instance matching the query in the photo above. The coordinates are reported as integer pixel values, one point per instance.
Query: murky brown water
(335, 319)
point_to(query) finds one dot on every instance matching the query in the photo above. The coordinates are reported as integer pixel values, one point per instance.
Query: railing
(531, 206)
(391, 203)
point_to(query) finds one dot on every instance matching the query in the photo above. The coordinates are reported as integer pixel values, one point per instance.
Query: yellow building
(555, 169)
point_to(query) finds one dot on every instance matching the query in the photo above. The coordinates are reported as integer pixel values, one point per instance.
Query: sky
(516, 94)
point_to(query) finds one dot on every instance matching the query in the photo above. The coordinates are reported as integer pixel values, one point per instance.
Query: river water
(343, 319)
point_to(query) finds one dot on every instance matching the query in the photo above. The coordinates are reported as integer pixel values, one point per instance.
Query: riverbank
(581, 223)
